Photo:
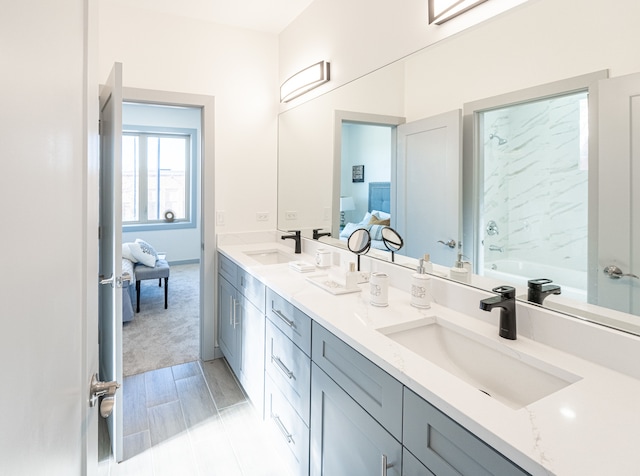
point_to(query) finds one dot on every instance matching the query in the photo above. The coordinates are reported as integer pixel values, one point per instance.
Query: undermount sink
(513, 378)
(274, 256)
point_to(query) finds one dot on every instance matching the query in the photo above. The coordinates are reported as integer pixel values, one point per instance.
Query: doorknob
(106, 390)
(118, 282)
(451, 243)
(616, 273)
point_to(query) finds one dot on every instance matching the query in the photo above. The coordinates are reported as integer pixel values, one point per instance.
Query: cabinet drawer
(445, 447)
(290, 370)
(251, 288)
(412, 467)
(374, 389)
(345, 439)
(291, 435)
(294, 323)
(227, 268)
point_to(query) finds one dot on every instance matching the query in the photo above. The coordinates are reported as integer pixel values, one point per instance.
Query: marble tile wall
(536, 182)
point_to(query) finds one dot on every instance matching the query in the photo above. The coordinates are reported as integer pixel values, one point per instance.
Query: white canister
(323, 258)
(421, 290)
(379, 289)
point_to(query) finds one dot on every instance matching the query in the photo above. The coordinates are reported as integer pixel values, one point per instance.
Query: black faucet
(506, 301)
(317, 234)
(540, 289)
(296, 237)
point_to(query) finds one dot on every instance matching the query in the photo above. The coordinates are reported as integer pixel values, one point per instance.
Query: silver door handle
(451, 243)
(616, 273)
(385, 465)
(104, 390)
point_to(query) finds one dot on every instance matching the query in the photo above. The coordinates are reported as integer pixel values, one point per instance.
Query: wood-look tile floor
(192, 419)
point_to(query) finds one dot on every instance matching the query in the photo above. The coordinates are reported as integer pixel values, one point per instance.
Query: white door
(110, 258)
(618, 201)
(427, 190)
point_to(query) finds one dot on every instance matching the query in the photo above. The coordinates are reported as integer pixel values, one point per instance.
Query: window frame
(191, 178)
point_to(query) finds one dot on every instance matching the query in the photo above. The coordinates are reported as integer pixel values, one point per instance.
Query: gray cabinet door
(251, 353)
(447, 448)
(228, 318)
(345, 439)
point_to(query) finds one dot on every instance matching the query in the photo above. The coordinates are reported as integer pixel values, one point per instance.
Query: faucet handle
(507, 292)
(538, 283)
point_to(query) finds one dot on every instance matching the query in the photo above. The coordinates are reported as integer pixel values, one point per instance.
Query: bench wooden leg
(138, 296)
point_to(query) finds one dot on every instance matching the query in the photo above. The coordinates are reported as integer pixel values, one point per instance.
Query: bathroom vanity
(352, 389)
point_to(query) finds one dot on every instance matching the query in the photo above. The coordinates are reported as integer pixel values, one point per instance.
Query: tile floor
(192, 419)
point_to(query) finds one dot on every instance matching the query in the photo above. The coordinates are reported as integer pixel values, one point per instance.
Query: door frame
(207, 201)
(362, 118)
(472, 170)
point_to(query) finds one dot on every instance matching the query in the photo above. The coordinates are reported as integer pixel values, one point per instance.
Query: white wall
(238, 67)
(44, 284)
(536, 42)
(360, 36)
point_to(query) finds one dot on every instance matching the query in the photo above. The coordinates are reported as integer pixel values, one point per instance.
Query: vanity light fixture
(304, 81)
(442, 10)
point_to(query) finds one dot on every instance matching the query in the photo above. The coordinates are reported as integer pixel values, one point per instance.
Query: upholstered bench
(161, 270)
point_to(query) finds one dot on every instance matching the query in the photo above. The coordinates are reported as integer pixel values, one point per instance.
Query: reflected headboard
(380, 196)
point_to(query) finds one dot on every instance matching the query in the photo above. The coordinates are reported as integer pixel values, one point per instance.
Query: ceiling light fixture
(304, 81)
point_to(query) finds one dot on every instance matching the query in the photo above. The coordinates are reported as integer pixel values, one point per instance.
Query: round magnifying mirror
(392, 240)
(359, 243)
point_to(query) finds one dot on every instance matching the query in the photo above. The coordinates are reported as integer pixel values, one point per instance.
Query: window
(442, 10)
(157, 178)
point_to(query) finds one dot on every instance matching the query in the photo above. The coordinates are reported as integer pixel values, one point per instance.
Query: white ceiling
(270, 16)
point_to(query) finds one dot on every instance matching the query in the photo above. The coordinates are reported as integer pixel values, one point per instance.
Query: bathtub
(573, 283)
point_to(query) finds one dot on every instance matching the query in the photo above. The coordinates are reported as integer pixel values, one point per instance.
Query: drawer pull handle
(278, 313)
(288, 436)
(385, 465)
(283, 368)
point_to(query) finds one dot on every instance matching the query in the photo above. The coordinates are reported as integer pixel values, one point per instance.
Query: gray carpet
(158, 338)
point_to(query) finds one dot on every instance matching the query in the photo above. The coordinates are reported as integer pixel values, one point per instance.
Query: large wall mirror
(534, 202)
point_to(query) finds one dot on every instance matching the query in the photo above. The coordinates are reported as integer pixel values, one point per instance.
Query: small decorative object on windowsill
(169, 216)
(357, 173)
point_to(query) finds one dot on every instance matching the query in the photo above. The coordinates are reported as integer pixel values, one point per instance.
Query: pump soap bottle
(459, 271)
(421, 287)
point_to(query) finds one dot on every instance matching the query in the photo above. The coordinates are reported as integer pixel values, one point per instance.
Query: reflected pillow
(379, 221)
(365, 219)
(379, 214)
(348, 229)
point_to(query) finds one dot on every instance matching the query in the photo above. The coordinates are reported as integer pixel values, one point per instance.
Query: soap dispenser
(459, 271)
(421, 287)
(427, 264)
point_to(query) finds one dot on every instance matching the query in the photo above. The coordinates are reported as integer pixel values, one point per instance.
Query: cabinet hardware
(288, 436)
(283, 368)
(279, 313)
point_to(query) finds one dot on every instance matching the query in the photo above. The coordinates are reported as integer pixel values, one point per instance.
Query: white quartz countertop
(590, 427)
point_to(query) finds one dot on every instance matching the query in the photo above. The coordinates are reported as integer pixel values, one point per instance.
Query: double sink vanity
(356, 389)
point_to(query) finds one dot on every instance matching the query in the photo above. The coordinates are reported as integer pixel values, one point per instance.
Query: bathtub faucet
(496, 248)
(506, 301)
(540, 289)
